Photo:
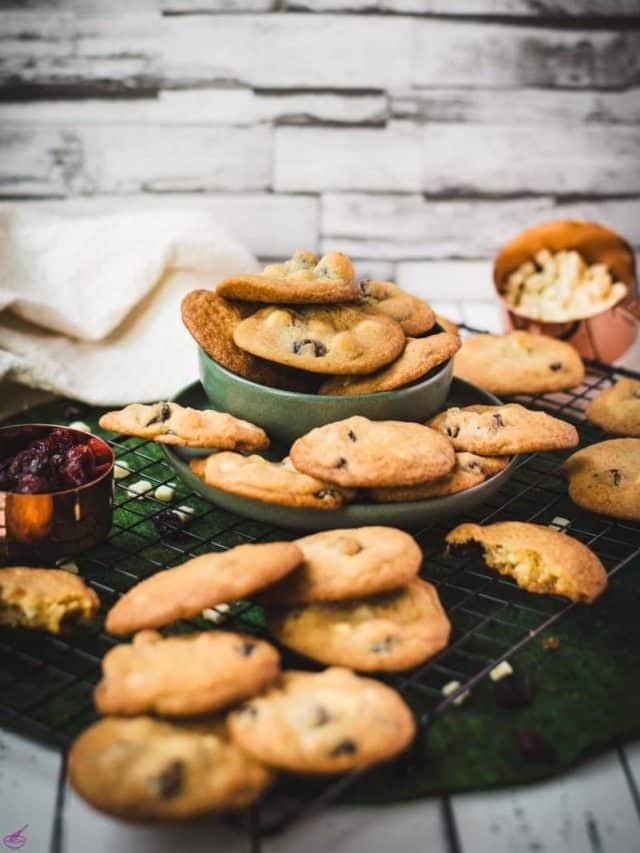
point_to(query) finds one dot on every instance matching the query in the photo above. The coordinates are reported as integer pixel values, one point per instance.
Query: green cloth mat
(586, 692)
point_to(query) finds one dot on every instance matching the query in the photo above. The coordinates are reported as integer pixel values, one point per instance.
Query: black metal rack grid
(46, 682)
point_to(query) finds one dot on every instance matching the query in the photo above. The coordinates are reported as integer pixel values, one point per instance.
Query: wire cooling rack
(46, 682)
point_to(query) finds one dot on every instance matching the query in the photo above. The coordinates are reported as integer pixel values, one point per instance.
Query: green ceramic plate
(410, 514)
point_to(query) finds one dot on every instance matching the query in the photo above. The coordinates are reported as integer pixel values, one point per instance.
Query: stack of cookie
(356, 600)
(308, 325)
(177, 744)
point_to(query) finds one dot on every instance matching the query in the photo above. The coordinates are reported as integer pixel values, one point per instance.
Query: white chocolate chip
(450, 687)
(165, 492)
(501, 671)
(185, 512)
(216, 614)
(121, 469)
(69, 566)
(140, 488)
(560, 522)
(81, 425)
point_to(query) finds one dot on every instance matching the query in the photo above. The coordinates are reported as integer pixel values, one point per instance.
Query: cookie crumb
(501, 671)
(550, 644)
(450, 687)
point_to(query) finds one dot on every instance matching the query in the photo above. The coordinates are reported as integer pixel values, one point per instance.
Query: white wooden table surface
(594, 808)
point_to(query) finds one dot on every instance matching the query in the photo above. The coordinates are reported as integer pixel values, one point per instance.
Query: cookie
(349, 563)
(50, 599)
(447, 325)
(414, 315)
(269, 482)
(382, 633)
(420, 355)
(537, 558)
(324, 722)
(211, 320)
(170, 423)
(359, 452)
(148, 769)
(201, 582)
(605, 477)
(502, 430)
(469, 470)
(617, 409)
(301, 279)
(338, 339)
(519, 363)
(183, 675)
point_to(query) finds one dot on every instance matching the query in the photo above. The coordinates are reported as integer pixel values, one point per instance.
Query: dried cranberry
(100, 452)
(31, 484)
(61, 440)
(31, 460)
(79, 466)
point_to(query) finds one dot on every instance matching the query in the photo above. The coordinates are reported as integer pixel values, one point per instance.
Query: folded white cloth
(92, 306)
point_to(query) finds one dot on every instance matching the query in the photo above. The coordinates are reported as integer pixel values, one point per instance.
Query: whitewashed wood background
(405, 132)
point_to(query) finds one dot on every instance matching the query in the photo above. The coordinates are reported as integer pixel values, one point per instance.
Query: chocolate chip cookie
(170, 423)
(148, 769)
(359, 452)
(339, 339)
(605, 477)
(537, 558)
(50, 599)
(383, 633)
(348, 563)
(420, 355)
(301, 279)
(183, 676)
(325, 722)
(469, 470)
(414, 315)
(617, 409)
(201, 582)
(270, 482)
(519, 363)
(503, 430)
(211, 320)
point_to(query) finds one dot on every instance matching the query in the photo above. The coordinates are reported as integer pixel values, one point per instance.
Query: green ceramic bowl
(287, 415)
(409, 515)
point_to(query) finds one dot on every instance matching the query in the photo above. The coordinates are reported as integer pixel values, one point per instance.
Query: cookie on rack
(358, 452)
(388, 632)
(211, 320)
(349, 563)
(538, 558)
(143, 768)
(202, 582)
(183, 676)
(170, 423)
(420, 355)
(617, 408)
(323, 722)
(519, 363)
(302, 279)
(270, 482)
(414, 315)
(469, 470)
(52, 600)
(503, 430)
(605, 478)
(322, 339)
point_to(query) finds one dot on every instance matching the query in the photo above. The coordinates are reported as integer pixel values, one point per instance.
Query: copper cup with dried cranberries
(55, 492)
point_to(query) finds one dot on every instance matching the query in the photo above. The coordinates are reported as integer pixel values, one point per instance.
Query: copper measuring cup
(604, 336)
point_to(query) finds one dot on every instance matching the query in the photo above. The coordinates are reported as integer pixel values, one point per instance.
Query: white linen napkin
(92, 306)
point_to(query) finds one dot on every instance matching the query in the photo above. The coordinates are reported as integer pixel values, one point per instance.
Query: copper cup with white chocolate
(572, 280)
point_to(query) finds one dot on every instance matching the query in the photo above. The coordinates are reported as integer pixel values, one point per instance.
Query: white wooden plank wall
(408, 133)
